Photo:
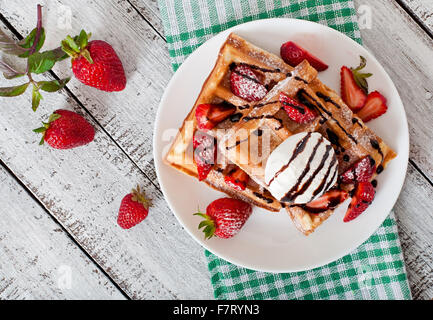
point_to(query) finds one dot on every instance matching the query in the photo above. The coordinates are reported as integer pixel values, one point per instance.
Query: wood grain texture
(142, 50)
(423, 10)
(37, 258)
(415, 220)
(403, 48)
(83, 188)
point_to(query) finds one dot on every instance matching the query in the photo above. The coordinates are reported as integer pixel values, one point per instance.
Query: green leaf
(54, 117)
(72, 44)
(360, 77)
(13, 91)
(9, 72)
(36, 98)
(42, 62)
(53, 86)
(30, 39)
(10, 46)
(40, 130)
(83, 39)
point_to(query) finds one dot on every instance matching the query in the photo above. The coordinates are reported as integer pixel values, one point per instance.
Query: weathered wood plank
(127, 116)
(402, 47)
(422, 10)
(83, 188)
(101, 106)
(413, 211)
(37, 258)
(150, 11)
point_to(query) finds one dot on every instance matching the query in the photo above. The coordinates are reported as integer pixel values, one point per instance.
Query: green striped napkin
(376, 269)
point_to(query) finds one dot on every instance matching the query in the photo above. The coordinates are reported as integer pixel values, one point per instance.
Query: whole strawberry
(133, 209)
(66, 130)
(95, 63)
(224, 218)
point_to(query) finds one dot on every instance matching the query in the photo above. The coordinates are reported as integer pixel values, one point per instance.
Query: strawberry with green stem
(37, 63)
(133, 209)
(95, 63)
(66, 130)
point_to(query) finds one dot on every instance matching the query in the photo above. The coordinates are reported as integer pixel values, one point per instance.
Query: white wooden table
(58, 233)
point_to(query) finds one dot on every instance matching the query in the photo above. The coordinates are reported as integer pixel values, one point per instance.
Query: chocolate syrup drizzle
(246, 119)
(300, 147)
(293, 193)
(318, 106)
(268, 200)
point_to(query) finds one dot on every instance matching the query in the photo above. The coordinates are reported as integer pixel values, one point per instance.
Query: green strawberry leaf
(36, 98)
(72, 44)
(13, 91)
(360, 77)
(10, 46)
(82, 39)
(53, 86)
(28, 42)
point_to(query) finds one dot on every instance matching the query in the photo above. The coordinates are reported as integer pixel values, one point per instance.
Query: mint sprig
(37, 63)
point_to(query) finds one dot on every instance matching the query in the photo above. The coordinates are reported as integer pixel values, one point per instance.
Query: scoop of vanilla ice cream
(302, 168)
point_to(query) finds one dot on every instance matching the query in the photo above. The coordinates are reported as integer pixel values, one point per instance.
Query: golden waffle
(216, 90)
(337, 122)
(351, 138)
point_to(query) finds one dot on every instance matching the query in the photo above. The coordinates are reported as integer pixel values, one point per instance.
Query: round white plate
(269, 241)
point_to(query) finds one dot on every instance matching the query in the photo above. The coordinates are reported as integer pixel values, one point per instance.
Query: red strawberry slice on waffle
(293, 55)
(328, 201)
(237, 179)
(297, 111)
(205, 153)
(361, 171)
(362, 198)
(245, 83)
(351, 93)
(209, 115)
(374, 107)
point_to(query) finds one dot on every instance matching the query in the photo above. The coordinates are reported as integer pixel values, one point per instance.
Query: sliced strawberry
(361, 171)
(205, 153)
(328, 201)
(245, 83)
(237, 179)
(351, 93)
(362, 198)
(209, 115)
(374, 107)
(293, 55)
(297, 111)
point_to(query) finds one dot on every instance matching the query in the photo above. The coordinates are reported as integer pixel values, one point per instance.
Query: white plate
(269, 241)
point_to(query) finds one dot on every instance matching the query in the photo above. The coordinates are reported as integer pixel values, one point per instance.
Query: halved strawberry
(297, 111)
(362, 198)
(352, 94)
(237, 179)
(374, 107)
(245, 83)
(205, 153)
(293, 55)
(328, 201)
(361, 171)
(209, 115)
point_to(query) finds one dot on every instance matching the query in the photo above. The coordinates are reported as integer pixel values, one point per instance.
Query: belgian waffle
(351, 138)
(216, 89)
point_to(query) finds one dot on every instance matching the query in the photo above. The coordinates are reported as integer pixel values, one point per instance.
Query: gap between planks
(69, 235)
(73, 96)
